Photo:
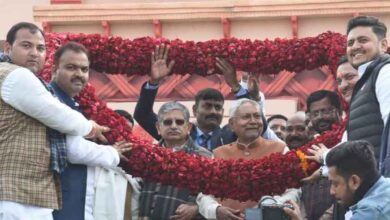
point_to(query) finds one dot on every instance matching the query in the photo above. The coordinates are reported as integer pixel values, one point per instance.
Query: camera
(269, 209)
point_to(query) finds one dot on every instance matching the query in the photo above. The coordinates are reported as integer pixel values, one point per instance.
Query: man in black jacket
(369, 106)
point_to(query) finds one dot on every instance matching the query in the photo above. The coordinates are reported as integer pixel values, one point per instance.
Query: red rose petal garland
(240, 179)
(116, 55)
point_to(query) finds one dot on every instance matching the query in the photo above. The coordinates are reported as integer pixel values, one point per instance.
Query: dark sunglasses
(169, 122)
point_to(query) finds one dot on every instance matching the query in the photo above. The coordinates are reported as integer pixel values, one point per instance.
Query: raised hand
(229, 72)
(253, 88)
(159, 68)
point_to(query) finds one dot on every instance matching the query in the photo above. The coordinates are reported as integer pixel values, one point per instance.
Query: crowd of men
(51, 168)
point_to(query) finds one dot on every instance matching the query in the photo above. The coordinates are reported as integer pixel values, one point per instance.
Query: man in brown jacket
(29, 185)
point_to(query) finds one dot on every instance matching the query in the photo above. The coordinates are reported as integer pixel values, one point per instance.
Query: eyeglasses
(318, 113)
(169, 122)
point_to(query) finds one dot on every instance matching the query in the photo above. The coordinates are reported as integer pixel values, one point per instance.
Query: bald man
(296, 131)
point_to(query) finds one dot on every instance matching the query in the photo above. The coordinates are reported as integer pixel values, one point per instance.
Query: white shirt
(382, 88)
(22, 90)
(82, 151)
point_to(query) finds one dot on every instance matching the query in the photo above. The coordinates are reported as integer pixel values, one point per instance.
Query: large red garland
(241, 179)
(116, 55)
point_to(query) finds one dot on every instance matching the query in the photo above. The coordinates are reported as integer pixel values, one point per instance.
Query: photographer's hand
(295, 214)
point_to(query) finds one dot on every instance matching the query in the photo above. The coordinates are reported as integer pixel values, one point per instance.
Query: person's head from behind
(324, 109)
(246, 120)
(71, 68)
(366, 39)
(346, 78)
(173, 123)
(296, 131)
(25, 45)
(208, 109)
(351, 165)
(277, 123)
(127, 116)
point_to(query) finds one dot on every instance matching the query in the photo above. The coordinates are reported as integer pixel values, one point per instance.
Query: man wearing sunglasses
(163, 202)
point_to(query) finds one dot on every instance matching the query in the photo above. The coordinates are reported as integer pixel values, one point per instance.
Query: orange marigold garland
(236, 179)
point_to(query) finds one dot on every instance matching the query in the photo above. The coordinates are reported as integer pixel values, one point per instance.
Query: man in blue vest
(70, 76)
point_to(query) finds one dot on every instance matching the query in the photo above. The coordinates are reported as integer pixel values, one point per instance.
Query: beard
(294, 142)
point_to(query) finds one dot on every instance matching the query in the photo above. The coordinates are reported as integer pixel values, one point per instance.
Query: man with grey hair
(159, 201)
(247, 122)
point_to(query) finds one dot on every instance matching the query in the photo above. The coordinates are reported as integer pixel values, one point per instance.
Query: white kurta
(22, 90)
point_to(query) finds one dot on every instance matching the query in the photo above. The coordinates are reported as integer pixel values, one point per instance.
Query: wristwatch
(321, 158)
(320, 171)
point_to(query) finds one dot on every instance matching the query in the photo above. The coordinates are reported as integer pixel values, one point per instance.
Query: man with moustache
(31, 159)
(323, 110)
(346, 78)
(70, 76)
(296, 131)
